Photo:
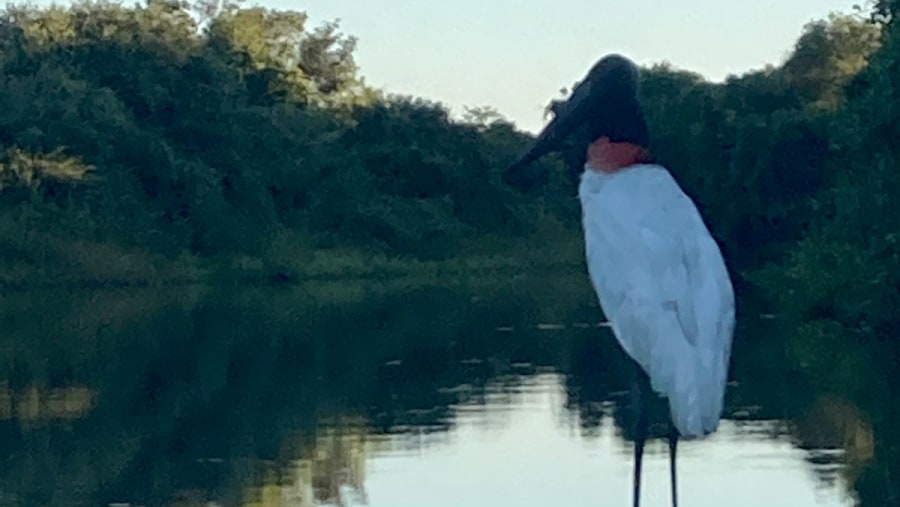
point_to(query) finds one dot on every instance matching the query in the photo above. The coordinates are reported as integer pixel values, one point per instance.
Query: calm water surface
(520, 449)
(475, 394)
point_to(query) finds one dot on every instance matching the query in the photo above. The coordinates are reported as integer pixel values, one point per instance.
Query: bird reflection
(599, 375)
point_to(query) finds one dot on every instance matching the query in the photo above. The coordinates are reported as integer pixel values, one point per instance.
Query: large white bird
(659, 275)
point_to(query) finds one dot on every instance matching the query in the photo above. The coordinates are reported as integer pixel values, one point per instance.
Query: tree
(828, 54)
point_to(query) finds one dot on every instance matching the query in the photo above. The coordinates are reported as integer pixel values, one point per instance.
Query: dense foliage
(151, 128)
(155, 129)
(243, 132)
(137, 127)
(839, 287)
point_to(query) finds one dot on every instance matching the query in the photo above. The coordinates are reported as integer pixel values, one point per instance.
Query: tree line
(155, 128)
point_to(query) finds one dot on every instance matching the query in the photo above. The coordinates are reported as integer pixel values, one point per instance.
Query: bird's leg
(641, 428)
(673, 445)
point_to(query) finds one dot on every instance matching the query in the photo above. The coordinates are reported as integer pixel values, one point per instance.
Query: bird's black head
(605, 103)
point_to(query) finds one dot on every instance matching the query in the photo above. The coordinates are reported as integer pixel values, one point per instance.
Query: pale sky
(515, 55)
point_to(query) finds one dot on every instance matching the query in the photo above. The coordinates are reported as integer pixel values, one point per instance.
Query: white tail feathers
(692, 383)
(692, 379)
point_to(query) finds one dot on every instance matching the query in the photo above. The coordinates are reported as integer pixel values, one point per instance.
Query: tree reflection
(262, 398)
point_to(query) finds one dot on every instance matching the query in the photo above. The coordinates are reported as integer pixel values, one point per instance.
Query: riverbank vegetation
(167, 143)
(138, 145)
(171, 142)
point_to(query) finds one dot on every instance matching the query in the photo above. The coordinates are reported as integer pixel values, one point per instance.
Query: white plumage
(663, 285)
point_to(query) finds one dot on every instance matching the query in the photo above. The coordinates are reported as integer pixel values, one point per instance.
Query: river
(463, 393)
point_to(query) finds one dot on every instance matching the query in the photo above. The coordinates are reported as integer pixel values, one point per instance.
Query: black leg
(673, 446)
(641, 428)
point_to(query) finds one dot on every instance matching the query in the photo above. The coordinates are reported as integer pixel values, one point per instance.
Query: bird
(658, 273)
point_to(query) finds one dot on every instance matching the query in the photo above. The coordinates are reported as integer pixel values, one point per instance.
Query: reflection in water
(333, 474)
(32, 406)
(479, 394)
(541, 459)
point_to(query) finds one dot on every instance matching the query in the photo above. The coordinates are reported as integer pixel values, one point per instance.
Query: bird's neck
(609, 157)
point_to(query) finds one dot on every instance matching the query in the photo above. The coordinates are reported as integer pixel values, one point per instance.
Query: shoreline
(139, 270)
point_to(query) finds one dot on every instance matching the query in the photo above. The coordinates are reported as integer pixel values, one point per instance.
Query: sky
(515, 55)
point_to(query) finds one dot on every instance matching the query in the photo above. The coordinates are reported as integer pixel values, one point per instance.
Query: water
(479, 393)
(524, 451)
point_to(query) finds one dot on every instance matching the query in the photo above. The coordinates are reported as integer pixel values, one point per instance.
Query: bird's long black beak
(567, 116)
(608, 79)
